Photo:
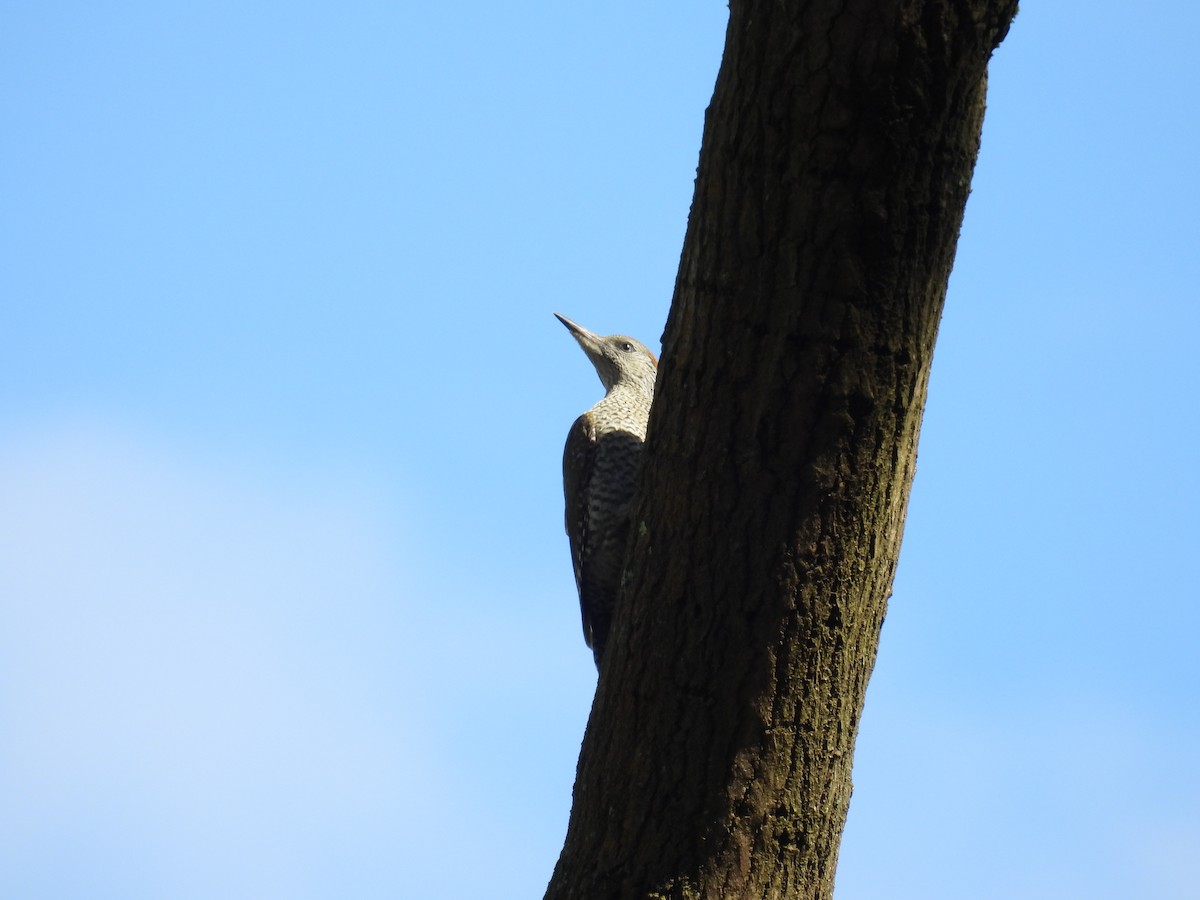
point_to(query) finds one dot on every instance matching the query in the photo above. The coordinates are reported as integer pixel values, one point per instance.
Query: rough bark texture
(836, 163)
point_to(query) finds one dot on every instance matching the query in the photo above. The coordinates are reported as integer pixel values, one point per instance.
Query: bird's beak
(589, 341)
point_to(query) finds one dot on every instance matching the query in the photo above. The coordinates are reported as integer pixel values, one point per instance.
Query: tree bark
(835, 167)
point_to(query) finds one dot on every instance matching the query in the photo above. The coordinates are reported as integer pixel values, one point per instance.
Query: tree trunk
(835, 166)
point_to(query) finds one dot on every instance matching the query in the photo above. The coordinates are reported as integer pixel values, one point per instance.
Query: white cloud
(199, 694)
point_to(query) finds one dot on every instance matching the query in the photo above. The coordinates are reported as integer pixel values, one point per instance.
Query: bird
(601, 461)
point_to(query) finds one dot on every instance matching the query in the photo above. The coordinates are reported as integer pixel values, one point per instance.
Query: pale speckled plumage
(600, 469)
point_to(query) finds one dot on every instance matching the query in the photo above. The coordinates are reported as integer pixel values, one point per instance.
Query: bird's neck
(626, 407)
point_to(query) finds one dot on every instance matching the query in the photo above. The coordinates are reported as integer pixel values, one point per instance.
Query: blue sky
(286, 609)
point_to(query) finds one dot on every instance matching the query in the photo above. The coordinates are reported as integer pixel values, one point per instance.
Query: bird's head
(619, 360)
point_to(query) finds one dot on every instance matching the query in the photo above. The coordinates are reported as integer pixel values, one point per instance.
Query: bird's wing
(578, 462)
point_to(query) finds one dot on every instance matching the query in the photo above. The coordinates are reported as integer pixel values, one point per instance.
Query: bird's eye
(627, 347)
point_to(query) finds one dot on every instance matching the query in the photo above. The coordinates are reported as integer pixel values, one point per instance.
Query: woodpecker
(600, 468)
